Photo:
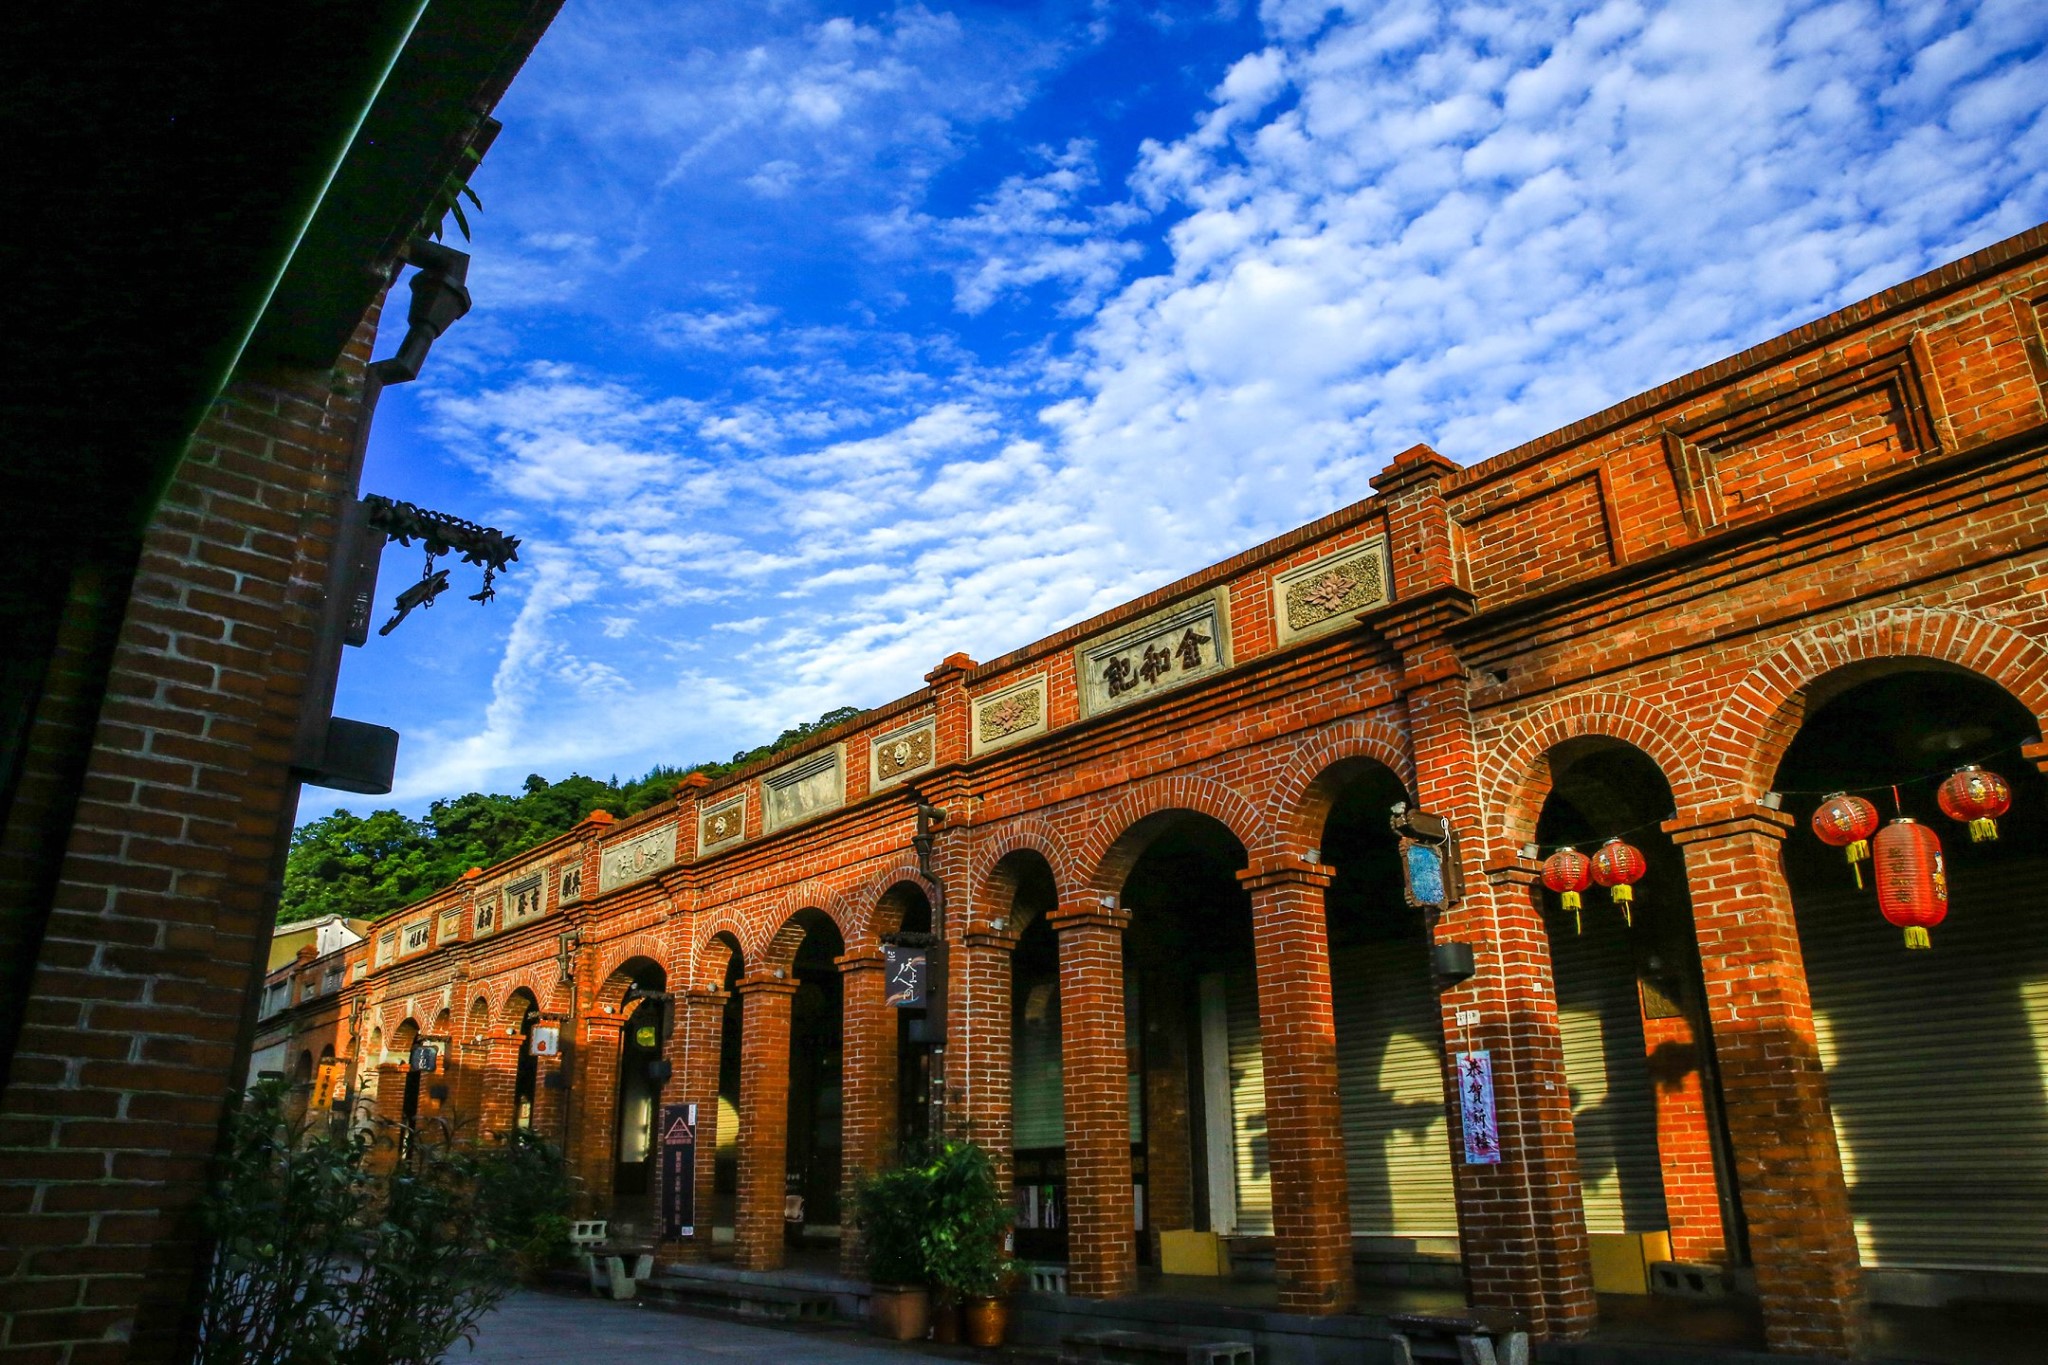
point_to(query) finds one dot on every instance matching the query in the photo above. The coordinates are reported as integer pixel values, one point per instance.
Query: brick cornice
(701, 999)
(1091, 913)
(1727, 820)
(1519, 872)
(766, 985)
(860, 960)
(987, 938)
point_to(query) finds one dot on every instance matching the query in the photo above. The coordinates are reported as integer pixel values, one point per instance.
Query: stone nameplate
(416, 935)
(896, 755)
(523, 901)
(810, 786)
(641, 856)
(489, 905)
(723, 823)
(1161, 652)
(569, 882)
(1330, 592)
(1016, 712)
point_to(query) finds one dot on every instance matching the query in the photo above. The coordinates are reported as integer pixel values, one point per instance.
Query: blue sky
(815, 342)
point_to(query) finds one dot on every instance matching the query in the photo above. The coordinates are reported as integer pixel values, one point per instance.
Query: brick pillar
(693, 1047)
(764, 1119)
(1685, 1141)
(550, 1100)
(1304, 1119)
(1101, 1243)
(1169, 1144)
(389, 1112)
(1794, 1198)
(978, 1021)
(868, 1088)
(497, 1105)
(593, 1118)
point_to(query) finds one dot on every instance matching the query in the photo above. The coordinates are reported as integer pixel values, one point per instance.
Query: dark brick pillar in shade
(764, 1119)
(498, 1103)
(693, 1048)
(1685, 1141)
(979, 1020)
(1304, 1117)
(1169, 1144)
(869, 1085)
(1801, 1239)
(594, 1114)
(389, 1112)
(1095, 1061)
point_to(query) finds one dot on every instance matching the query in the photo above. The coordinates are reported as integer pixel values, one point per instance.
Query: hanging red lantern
(1912, 884)
(1847, 822)
(1978, 796)
(1618, 867)
(1568, 872)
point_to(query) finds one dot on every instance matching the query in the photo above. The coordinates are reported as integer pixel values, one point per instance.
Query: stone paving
(539, 1329)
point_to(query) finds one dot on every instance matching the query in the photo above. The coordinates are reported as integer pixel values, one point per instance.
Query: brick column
(497, 1102)
(1169, 1144)
(693, 1049)
(1685, 1141)
(868, 1088)
(1101, 1243)
(593, 1118)
(764, 1119)
(389, 1111)
(1304, 1118)
(979, 1024)
(548, 1100)
(1794, 1198)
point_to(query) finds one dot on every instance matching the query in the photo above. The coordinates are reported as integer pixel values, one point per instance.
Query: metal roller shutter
(1390, 1079)
(1614, 1109)
(1037, 1112)
(1937, 1066)
(1248, 1107)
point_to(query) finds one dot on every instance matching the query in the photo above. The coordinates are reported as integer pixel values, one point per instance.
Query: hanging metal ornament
(1618, 867)
(1568, 872)
(1847, 822)
(1977, 796)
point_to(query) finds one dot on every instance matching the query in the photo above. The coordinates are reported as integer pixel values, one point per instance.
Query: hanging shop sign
(425, 1058)
(1429, 858)
(678, 1171)
(546, 1041)
(646, 1035)
(907, 975)
(1475, 1109)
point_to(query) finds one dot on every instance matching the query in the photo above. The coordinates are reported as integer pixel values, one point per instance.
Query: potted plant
(890, 1208)
(963, 1238)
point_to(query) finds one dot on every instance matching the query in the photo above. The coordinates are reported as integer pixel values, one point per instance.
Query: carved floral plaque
(1013, 713)
(643, 855)
(723, 823)
(896, 755)
(1328, 593)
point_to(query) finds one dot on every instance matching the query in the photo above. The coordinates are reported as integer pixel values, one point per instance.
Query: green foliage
(319, 1262)
(365, 866)
(937, 1218)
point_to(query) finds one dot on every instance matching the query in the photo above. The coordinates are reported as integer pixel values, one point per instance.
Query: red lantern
(1845, 821)
(1618, 867)
(1912, 885)
(1568, 872)
(1978, 796)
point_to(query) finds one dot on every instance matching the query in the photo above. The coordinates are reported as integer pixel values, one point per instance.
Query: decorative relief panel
(896, 755)
(1018, 711)
(723, 823)
(450, 927)
(569, 882)
(387, 947)
(1161, 652)
(629, 860)
(810, 786)
(1330, 592)
(523, 901)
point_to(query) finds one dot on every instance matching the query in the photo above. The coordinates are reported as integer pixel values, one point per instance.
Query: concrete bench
(742, 1299)
(1468, 1341)
(1148, 1348)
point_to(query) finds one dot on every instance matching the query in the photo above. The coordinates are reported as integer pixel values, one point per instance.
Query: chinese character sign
(907, 975)
(1475, 1109)
(678, 1170)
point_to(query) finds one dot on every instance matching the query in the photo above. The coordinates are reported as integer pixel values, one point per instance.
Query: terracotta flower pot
(900, 1312)
(946, 1323)
(987, 1321)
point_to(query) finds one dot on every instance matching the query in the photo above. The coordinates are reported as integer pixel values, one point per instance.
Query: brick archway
(1515, 777)
(1302, 798)
(717, 947)
(1764, 712)
(1110, 852)
(865, 909)
(615, 977)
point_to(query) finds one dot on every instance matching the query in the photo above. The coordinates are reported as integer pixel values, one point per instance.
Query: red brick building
(1186, 987)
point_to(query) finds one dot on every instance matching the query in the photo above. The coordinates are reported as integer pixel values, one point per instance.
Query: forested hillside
(362, 866)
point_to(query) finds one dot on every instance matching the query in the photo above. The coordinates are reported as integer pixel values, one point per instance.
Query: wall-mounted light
(1771, 801)
(998, 924)
(1452, 962)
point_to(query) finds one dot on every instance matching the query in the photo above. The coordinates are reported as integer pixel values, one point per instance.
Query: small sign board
(426, 1058)
(907, 976)
(678, 1171)
(1423, 866)
(1475, 1109)
(546, 1041)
